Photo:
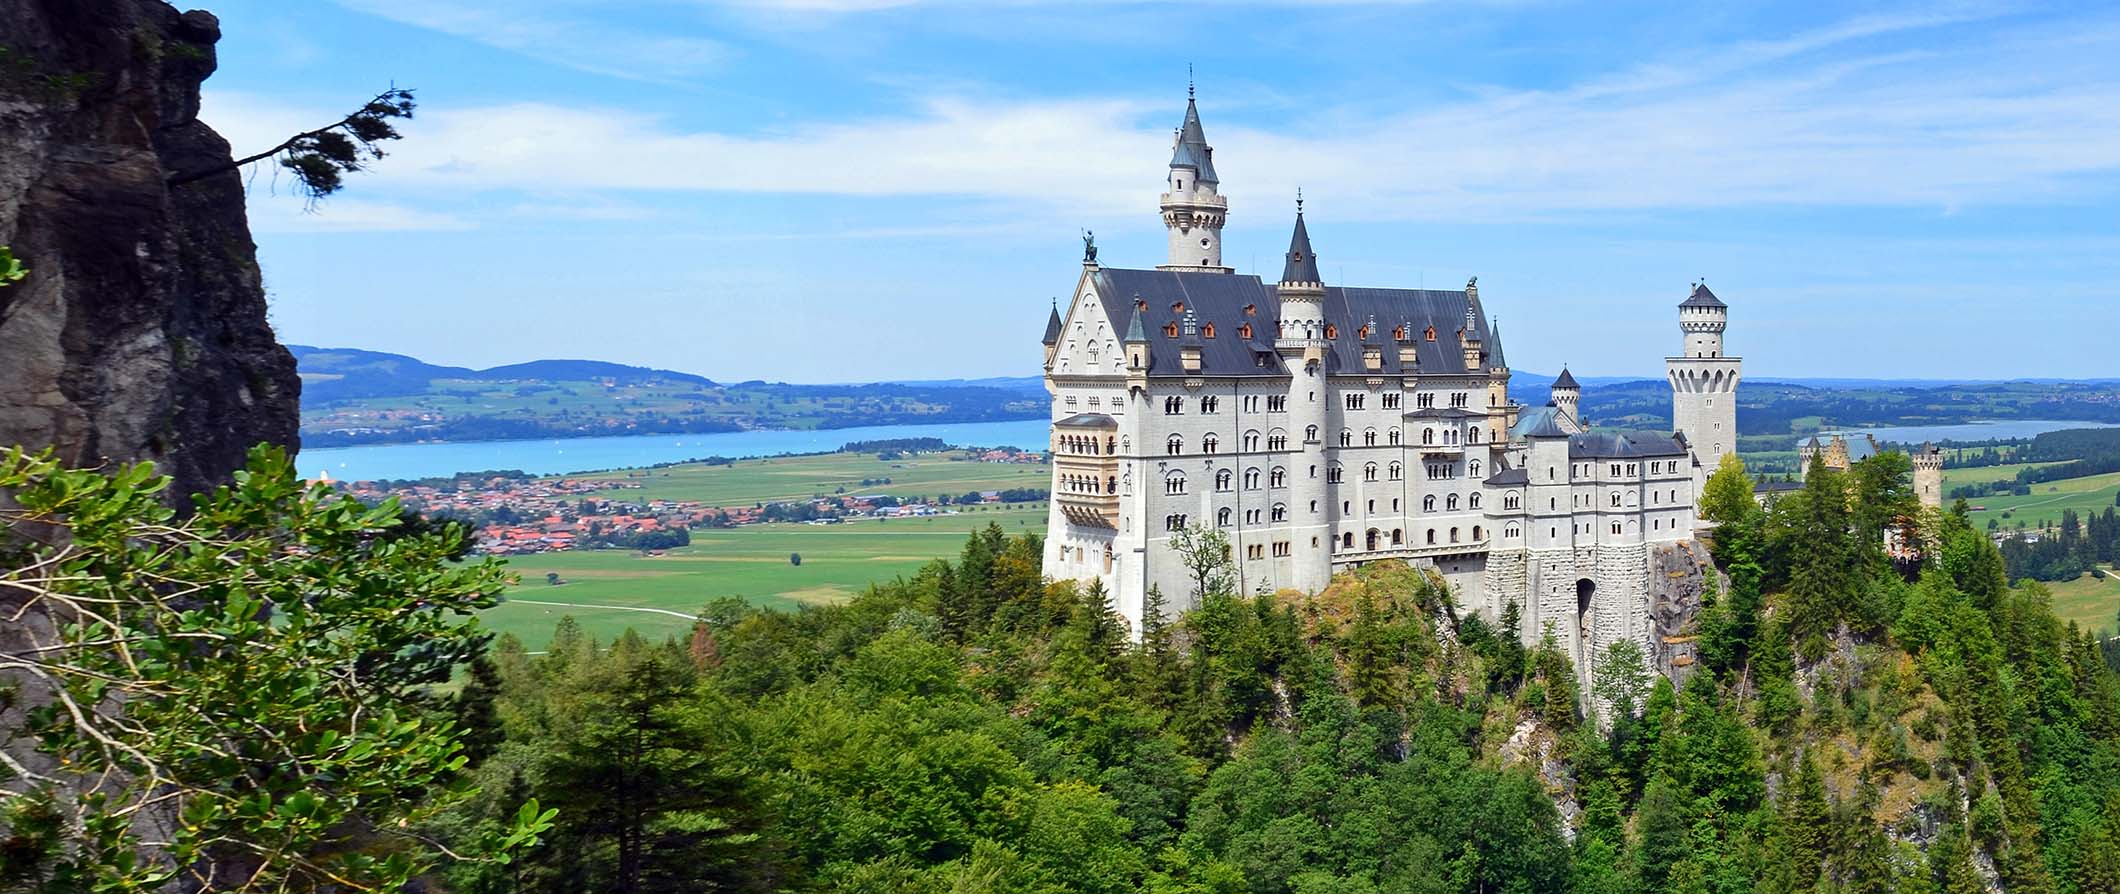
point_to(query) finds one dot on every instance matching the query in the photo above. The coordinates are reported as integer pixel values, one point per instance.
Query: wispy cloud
(286, 214)
(555, 34)
(1822, 118)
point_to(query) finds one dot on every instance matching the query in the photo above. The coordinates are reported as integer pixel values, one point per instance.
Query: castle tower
(1704, 383)
(1302, 346)
(1568, 396)
(1193, 210)
(1928, 476)
(1052, 335)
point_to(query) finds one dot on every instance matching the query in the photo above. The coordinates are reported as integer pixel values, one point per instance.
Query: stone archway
(1585, 623)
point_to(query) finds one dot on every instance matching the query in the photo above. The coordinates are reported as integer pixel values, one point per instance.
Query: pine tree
(477, 717)
(1371, 677)
(1805, 821)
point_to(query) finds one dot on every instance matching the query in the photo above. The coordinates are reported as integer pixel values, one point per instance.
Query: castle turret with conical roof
(1302, 292)
(1193, 207)
(1704, 383)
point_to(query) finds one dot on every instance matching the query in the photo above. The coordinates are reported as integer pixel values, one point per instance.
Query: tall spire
(1052, 325)
(1193, 208)
(1302, 263)
(1192, 150)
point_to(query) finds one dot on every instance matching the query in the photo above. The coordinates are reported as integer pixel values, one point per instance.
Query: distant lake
(1968, 431)
(554, 456)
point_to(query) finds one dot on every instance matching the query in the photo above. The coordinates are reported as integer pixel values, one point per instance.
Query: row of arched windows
(1088, 445)
(1088, 484)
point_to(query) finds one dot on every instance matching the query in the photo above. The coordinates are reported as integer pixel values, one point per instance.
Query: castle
(1320, 427)
(1839, 456)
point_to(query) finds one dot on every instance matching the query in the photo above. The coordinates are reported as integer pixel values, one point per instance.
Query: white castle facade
(1320, 427)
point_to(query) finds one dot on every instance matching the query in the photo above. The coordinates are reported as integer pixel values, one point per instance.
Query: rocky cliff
(141, 331)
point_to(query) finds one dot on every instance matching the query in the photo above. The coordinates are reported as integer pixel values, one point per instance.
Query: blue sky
(837, 190)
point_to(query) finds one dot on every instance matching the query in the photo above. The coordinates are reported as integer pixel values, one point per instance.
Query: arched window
(1397, 471)
(1394, 437)
(1431, 536)
(1512, 501)
(1223, 517)
(1251, 479)
(1369, 438)
(1512, 532)
(1222, 479)
(1333, 474)
(1174, 445)
(1211, 443)
(1453, 535)
(1475, 468)
(1369, 472)
(1476, 533)
(1174, 483)
(1450, 502)
(1277, 441)
(1310, 433)
(1210, 404)
(1346, 437)
(1280, 476)
(1172, 406)
(1398, 537)
(1428, 503)
(1251, 441)
(1347, 540)
(1472, 502)
(1280, 512)
(1427, 436)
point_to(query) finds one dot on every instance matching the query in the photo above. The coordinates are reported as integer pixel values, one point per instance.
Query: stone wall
(141, 331)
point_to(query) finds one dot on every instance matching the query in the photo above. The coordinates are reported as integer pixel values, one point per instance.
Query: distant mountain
(336, 374)
(588, 370)
(1032, 384)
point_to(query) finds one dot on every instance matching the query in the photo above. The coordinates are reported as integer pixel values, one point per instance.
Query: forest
(1860, 722)
(1862, 719)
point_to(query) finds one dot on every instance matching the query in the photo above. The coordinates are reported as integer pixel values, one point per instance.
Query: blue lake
(560, 455)
(1971, 431)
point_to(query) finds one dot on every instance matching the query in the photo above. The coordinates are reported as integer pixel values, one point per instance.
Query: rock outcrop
(141, 331)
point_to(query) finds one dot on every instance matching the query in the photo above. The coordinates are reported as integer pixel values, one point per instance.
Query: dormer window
(1170, 330)
(1398, 333)
(1251, 310)
(1207, 331)
(1431, 333)
(1244, 331)
(1177, 307)
(1362, 331)
(1331, 332)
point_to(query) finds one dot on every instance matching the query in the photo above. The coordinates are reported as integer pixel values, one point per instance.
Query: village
(515, 514)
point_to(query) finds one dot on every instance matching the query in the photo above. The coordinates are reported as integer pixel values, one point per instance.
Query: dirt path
(621, 608)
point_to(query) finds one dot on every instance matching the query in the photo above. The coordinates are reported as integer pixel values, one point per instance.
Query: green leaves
(254, 674)
(11, 270)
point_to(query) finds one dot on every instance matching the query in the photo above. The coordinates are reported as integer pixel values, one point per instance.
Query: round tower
(1568, 396)
(1193, 207)
(1928, 475)
(1302, 347)
(1704, 383)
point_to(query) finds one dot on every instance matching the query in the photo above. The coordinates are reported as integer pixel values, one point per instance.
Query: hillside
(352, 396)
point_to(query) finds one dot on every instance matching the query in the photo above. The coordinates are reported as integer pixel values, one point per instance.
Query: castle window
(1277, 441)
(1207, 331)
(1369, 438)
(1223, 517)
(1280, 512)
(1453, 535)
(1174, 522)
(1277, 403)
(1251, 310)
(1172, 406)
(1369, 472)
(1476, 532)
(1394, 437)
(1244, 330)
(1472, 502)
(1174, 445)
(1310, 434)
(1251, 441)
(1222, 479)
(1177, 307)
(1474, 471)
(1512, 501)
(1397, 472)
(1451, 502)
(1346, 437)
(1210, 404)
(1391, 400)
(1170, 330)
(1280, 477)
(1251, 479)
(1332, 332)
(1431, 536)
(1174, 483)
(1210, 444)
(1428, 503)
(1431, 337)
(1332, 475)
(1615, 527)
(1512, 532)
(1355, 400)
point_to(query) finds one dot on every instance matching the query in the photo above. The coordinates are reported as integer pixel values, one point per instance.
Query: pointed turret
(1193, 208)
(1495, 360)
(1568, 396)
(1136, 344)
(1567, 380)
(1052, 334)
(1302, 263)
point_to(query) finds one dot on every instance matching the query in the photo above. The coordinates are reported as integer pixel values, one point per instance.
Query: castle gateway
(1320, 426)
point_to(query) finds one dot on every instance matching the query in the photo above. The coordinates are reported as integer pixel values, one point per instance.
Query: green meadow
(610, 590)
(2043, 506)
(797, 478)
(2091, 603)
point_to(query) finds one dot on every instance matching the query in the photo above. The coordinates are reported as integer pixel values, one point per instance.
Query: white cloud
(286, 214)
(554, 35)
(1814, 119)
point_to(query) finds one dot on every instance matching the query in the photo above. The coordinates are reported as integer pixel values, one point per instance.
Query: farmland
(750, 562)
(802, 477)
(2043, 506)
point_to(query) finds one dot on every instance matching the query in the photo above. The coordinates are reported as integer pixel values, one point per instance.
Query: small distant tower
(1193, 209)
(1052, 335)
(1704, 383)
(1568, 397)
(1928, 476)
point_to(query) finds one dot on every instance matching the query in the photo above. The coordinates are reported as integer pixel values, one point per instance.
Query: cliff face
(141, 331)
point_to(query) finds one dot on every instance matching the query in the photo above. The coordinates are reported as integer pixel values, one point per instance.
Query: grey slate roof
(1494, 345)
(1623, 445)
(1701, 297)
(1302, 265)
(1192, 150)
(1089, 420)
(1566, 380)
(1052, 326)
(1535, 417)
(1220, 298)
(1508, 477)
(1542, 425)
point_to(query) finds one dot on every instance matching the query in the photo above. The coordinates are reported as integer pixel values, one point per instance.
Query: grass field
(629, 590)
(1961, 477)
(800, 477)
(2089, 602)
(2091, 493)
